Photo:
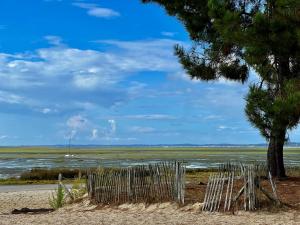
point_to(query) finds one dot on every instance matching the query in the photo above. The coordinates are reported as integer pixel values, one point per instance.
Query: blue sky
(103, 72)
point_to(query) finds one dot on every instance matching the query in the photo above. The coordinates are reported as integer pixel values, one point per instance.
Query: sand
(138, 214)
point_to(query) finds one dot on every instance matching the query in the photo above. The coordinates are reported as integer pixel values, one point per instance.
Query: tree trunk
(275, 154)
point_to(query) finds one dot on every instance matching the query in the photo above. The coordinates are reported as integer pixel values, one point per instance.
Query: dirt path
(137, 214)
(27, 187)
(152, 215)
(23, 199)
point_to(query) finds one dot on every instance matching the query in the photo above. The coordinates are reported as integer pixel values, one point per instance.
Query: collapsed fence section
(237, 186)
(146, 183)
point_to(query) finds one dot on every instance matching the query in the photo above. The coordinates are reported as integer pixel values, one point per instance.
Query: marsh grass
(46, 176)
(133, 152)
(78, 189)
(50, 174)
(17, 181)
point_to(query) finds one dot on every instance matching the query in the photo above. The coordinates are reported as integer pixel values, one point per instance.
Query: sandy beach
(85, 213)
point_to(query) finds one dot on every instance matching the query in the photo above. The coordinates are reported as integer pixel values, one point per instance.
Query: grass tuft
(57, 199)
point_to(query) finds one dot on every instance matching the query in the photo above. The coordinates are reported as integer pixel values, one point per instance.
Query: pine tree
(230, 37)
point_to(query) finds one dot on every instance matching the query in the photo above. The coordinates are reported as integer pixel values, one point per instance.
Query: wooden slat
(207, 192)
(152, 183)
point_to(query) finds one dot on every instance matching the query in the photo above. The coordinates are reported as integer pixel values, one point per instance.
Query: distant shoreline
(290, 145)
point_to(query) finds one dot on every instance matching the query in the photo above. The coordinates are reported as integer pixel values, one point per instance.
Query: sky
(103, 72)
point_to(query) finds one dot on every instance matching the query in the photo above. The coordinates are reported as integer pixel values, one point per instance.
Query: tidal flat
(16, 160)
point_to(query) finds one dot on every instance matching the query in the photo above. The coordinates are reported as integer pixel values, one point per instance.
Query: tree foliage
(230, 37)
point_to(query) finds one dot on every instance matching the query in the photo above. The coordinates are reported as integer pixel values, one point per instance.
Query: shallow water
(13, 167)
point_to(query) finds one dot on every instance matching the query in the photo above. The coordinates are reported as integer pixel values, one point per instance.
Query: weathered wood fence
(235, 182)
(146, 183)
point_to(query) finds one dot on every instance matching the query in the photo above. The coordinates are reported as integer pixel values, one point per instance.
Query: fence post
(59, 180)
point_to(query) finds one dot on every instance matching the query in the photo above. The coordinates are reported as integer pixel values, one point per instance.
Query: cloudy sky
(103, 72)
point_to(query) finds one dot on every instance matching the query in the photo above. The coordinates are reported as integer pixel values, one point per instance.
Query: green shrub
(57, 199)
(78, 189)
(49, 174)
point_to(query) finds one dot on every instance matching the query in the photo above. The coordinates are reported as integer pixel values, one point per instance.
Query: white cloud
(136, 88)
(64, 71)
(97, 11)
(87, 106)
(170, 133)
(71, 134)
(25, 103)
(212, 117)
(102, 12)
(3, 137)
(223, 127)
(139, 129)
(168, 34)
(77, 122)
(94, 134)
(151, 117)
(113, 126)
(150, 55)
(219, 97)
(10, 98)
(86, 81)
(131, 139)
(86, 69)
(182, 75)
(76, 125)
(86, 129)
(46, 110)
(83, 68)
(54, 40)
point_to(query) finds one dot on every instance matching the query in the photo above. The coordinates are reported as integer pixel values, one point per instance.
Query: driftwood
(269, 196)
(33, 211)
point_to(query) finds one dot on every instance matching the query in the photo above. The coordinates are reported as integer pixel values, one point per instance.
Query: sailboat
(69, 148)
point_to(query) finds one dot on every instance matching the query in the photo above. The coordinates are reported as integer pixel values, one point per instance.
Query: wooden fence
(146, 183)
(235, 182)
